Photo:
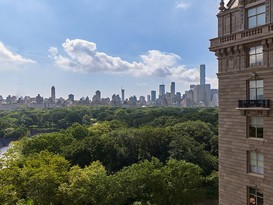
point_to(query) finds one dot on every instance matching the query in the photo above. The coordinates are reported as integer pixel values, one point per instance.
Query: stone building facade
(244, 49)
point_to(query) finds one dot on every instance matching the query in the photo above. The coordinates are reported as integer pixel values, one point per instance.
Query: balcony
(254, 107)
(241, 37)
(254, 104)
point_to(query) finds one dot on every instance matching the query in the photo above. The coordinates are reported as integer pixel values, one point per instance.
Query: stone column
(270, 52)
(265, 53)
(243, 57)
(224, 63)
(237, 58)
(219, 58)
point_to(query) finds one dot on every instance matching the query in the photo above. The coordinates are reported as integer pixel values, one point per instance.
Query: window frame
(256, 15)
(257, 126)
(255, 56)
(257, 89)
(255, 164)
(255, 194)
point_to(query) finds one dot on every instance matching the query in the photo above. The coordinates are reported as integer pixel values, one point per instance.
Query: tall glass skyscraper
(202, 74)
(161, 90)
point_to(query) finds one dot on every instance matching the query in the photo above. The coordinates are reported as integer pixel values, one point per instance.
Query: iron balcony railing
(254, 103)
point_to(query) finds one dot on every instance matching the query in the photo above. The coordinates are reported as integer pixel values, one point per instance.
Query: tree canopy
(103, 155)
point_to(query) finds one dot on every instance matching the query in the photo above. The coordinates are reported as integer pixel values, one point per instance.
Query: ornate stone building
(244, 49)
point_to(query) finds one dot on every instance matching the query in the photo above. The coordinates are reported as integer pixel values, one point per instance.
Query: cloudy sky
(81, 46)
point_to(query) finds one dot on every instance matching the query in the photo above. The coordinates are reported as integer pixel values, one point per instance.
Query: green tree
(141, 182)
(9, 185)
(211, 186)
(43, 173)
(53, 142)
(78, 131)
(91, 149)
(136, 144)
(185, 148)
(200, 131)
(35, 177)
(83, 185)
(183, 183)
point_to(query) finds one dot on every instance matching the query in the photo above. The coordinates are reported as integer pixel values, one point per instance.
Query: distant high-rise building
(201, 95)
(71, 97)
(202, 74)
(188, 98)
(153, 95)
(53, 94)
(122, 95)
(39, 99)
(98, 95)
(168, 96)
(142, 99)
(161, 90)
(178, 96)
(192, 87)
(173, 88)
(116, 100)
(148, 98)
(173, 92)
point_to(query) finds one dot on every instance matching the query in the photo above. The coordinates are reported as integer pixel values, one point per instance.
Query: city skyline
(52, 91)
(200, 95)
(104, 46)
(162, 90)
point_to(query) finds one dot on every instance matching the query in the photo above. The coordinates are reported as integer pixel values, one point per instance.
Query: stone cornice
(243, 37)
(249, 70)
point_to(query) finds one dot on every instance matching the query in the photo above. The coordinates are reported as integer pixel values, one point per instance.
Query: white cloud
(82, 56)
(10, 60)
(213, 81)
(183, 5)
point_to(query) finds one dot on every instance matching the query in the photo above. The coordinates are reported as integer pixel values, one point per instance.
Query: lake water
(3, 150)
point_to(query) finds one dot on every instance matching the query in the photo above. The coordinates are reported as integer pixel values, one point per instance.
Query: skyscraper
(173, 88)
(161, 90)
(122, 95)
(153, 95)
(172, 92)
(98, 95)
(53, 95)
(148, 98)
(71, 97)
(202, 74)
(244, 49)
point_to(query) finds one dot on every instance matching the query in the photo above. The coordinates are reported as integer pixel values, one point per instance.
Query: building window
(256, 90)
(255, 196)
(255, 56)
(256, 16)
(256, 162)
(255, 128)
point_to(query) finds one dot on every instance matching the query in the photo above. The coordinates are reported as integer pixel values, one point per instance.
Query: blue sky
(81, 46)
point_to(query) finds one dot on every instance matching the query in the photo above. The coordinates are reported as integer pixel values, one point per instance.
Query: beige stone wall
(233, 141)
(231, 48)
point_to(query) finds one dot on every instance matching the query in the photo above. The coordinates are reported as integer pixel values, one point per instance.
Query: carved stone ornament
(222, 6)
(241, 2)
